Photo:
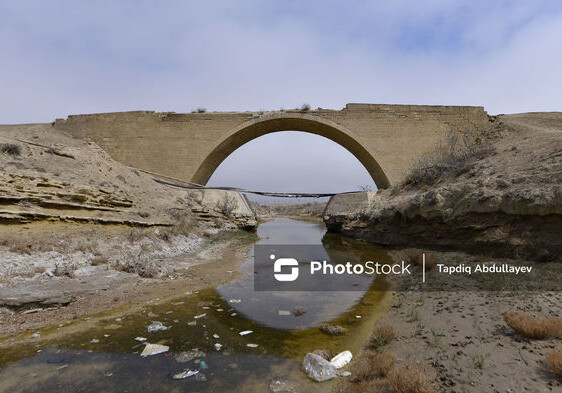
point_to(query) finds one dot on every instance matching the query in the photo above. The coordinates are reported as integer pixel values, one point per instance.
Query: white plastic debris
(216, 336)
(184, 374)
(200, 316)
(341, 359)
(245, 332)
(218, 346)
(154, 349)
(141, 339)
(283, 312)
(235, 300)
(252, 345)
(155, 326)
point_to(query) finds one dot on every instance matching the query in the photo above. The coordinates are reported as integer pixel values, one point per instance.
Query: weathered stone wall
(385, 138)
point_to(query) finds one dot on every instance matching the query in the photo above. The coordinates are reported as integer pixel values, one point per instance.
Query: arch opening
(290, 122)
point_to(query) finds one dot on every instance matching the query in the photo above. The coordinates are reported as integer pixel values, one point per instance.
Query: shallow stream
(203, 333)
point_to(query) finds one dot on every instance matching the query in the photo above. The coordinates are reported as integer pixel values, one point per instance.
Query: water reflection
(321, 303)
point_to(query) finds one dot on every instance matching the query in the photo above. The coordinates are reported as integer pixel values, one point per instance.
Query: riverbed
(202, 330)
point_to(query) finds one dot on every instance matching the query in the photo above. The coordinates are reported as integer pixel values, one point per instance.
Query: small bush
(64, 270)
(453, 156)
(416, 257)
(382, 335)
(201, 110)
(554, 361)
(227, 204)
(409, 379)
(304, 108)
(11, 149)
(382, 362)
(362, 370)
(185, 223)
(145, 269)
(532, 327)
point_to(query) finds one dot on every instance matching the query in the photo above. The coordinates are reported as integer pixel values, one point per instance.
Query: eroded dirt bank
(81, 230)
(500, 195)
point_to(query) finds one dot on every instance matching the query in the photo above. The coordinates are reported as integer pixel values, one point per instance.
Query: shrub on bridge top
(454, 155)
(304, 108)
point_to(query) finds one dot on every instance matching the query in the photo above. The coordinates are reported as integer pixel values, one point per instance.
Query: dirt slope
(506, 203)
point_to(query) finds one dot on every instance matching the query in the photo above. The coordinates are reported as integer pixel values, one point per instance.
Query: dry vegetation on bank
(454, 154)
(376, 371)
(534, 327)
(497, 193)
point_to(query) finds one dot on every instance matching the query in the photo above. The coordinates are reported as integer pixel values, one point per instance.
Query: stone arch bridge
(190, 146)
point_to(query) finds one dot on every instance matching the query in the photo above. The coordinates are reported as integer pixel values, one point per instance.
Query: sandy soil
(459, 337)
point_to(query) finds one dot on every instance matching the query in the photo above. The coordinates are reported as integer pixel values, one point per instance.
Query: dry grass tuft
(416, 257)
(554, 360)
(382, 363)
(66, 270)
(533, 327)
(185, 223)
(11, 149)
(362, 370)
(411, 379)
(144, 268)
(382, 335)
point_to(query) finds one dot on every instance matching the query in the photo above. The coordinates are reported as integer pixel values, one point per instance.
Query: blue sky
(68, 57)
